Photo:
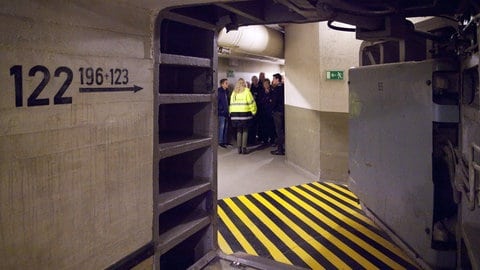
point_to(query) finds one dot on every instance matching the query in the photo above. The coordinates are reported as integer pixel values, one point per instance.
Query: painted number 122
(33, 99)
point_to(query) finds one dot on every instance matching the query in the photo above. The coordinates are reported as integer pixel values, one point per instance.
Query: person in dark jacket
(256, 88)
(223, 113)
(278, 113)
(266, 127)
(261, 77)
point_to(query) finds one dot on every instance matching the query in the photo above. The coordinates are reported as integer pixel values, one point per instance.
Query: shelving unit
(185, 134)
(181, 60)
(184, 98)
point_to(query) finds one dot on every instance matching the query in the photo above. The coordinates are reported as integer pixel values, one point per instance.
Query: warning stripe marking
(277, 255)
(326, 235)
(348, 210)
(321, 249)
(343, 189)
(340, 197)
(332, 224)
(238, 235)
(361, 228)
(311, 262)
(316, 225)
(374, 234)
(224, 246)
(269, 234)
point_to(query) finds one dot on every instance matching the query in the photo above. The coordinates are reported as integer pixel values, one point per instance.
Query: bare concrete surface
(255, 172)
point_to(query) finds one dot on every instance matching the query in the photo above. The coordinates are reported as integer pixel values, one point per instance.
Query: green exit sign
(335, 75)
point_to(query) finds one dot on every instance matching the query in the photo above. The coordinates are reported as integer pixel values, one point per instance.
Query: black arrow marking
(134, 89)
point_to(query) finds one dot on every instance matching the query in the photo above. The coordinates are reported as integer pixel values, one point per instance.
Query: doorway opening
(185, 128)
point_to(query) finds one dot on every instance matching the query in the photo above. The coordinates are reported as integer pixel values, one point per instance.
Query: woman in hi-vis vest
(242, 109)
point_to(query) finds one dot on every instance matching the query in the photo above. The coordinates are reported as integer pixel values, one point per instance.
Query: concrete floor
(256, 172)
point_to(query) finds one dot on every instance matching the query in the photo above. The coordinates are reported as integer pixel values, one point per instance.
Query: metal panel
(391, 147)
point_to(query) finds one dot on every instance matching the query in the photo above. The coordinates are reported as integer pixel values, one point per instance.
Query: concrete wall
(334, 146)
(75, 179)
(318, 142)
(246, 69)
(316, 108)
(303, 138)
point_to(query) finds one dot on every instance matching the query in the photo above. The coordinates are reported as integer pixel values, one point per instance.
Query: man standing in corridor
(279, 113)
(223, 113)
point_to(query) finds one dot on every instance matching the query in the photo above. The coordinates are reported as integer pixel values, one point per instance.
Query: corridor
(315, 225)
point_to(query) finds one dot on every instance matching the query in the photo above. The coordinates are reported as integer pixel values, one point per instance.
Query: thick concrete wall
(75, 177)
(303, 138)
(318, 142)
(302, 78)
(317, 109)
(334, 134)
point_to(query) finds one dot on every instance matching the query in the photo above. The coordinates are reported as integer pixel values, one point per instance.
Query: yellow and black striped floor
(316, 225)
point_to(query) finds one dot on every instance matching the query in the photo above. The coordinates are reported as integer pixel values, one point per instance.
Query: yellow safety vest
(242, 105)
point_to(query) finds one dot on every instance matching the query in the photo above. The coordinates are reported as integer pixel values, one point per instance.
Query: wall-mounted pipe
(253, 40)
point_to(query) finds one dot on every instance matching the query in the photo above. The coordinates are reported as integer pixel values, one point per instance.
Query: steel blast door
(391, 147)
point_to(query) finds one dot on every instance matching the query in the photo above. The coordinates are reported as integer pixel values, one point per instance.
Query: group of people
(258, 111)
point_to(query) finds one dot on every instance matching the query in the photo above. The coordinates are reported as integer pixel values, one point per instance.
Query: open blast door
(400, 114)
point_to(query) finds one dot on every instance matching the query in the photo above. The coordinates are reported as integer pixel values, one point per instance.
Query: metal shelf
(184, 98)
(188, 20)
(174, 197)
(191, 225)
(184, 183)
(171, 148)
(182, 60)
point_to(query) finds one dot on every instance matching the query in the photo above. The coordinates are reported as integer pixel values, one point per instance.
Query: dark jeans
(253, 130)
(222, 130)
(279, 121)
(266, 128)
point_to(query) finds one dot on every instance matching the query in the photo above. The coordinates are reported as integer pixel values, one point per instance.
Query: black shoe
(239, 150)
(244, 151)
(222, 145)
(277, 152)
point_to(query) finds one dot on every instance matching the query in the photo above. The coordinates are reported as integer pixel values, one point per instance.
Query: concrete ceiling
(367, 15)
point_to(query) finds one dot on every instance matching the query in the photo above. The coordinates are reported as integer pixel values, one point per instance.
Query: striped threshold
(316, 225)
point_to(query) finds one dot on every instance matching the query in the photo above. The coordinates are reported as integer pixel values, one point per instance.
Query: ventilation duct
(254, 41)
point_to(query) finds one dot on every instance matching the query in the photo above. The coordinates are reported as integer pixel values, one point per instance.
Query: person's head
(254, 80)
(261, 76)
(240, 85)
(224, 84)
(266, 85)
(277, 79)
